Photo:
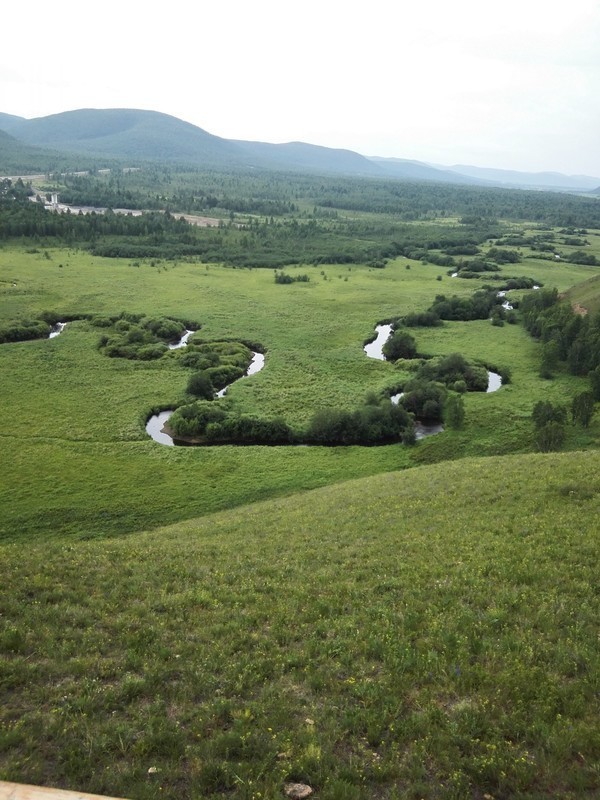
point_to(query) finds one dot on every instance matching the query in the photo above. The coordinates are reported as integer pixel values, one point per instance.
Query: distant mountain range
(136, 136)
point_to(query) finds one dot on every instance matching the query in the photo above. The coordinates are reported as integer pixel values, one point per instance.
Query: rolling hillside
(126, 133)
(137, 135)
(431, 634)
(18, 158)
(405, 169)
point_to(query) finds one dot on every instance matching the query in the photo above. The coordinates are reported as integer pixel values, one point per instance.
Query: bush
(421, 319)
(193, 418)
(400, 345)
(550, 436)
(200, 385)
(545, 412)
(582, 408)
(454, 411)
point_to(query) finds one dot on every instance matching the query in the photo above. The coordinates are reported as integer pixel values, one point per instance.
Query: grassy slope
(424, 634)
(586, 294)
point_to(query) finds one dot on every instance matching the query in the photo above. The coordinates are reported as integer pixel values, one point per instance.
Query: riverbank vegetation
(392, 621)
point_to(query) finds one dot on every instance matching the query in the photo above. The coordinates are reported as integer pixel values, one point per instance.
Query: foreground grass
(424, 634)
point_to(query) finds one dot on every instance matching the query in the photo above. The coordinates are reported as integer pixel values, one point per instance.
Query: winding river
(57, 330)
(374, 349)
(156, 423)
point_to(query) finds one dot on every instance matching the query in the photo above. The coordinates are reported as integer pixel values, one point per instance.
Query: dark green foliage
(192, 419)
(582, 408)
(462, 250)
(400, 345)
(595, 383)
(421, 319)
(440, 260)
(549, 421)
(478, 306)
(134, 336)
(210, 423)
(581, 257)
(169, 330)
(282, 277)
(454, 368)
(250, 430)
(21, 330)
(545, 412)
(519, 283)
(454, 411)
(501, 256)
(200, 385)
(550, 358)
(224, 374)
(550, 437)
(568, 336)
(425, 400)
(368, 425)
(476, 265)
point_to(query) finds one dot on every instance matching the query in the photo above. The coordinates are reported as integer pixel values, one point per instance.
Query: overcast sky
(513, 84)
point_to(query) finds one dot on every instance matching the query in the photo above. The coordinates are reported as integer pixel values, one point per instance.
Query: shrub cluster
(134, 336)
(24, 329)
(283, 277)
(374, 422)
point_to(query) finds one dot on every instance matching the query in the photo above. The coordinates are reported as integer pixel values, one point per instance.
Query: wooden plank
(21, 791)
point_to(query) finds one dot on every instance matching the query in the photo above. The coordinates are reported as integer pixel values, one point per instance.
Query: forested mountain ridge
(138, 136)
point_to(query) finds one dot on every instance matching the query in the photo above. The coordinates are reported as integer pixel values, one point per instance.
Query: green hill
(148, 135)
(431, 633)
(7, 121)
(310, 157)
(406, 169)
(18, 158)
(126, 133)
(586, 294)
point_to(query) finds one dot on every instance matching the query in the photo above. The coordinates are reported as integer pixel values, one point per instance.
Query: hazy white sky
(513, 84)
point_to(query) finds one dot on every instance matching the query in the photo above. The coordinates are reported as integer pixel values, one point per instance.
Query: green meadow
(73, 433)
(206, 622)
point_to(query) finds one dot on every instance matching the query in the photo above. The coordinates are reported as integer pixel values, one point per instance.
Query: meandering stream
(157, 422)
(57, 330)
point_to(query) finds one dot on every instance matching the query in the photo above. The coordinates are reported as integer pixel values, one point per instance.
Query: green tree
(595, 382)
(454, 411)
(544, 412)
(582, 408)
(200, 385)
(400, 345)
(550, 437)
(549, 359)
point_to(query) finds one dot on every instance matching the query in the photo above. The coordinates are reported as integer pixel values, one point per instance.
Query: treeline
(473, 204)
(567, 337)
(377, 421)
(26, 328)
(256, 243)
(270, 193)
(23, 218)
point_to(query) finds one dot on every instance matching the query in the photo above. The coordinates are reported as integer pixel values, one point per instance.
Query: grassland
(363, 619)
(424, 634)
(74, 437)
